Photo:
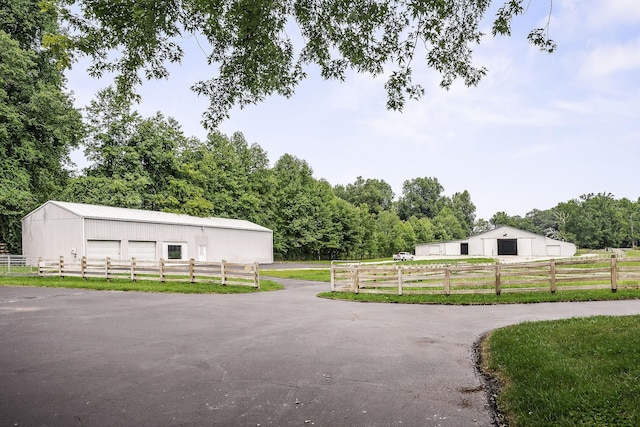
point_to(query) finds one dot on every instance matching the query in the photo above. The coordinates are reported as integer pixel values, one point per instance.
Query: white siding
(240, 246)
(435, 249)
(55, 228)
(50, 232)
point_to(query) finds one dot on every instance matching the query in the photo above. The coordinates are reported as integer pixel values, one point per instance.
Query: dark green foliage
(263, 47)
(421, 197)
(38, 124)
(375, 193)
(595, 221)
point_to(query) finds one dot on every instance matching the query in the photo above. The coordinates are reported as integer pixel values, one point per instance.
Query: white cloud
(612, 13)
(573, 18)
(605, 61)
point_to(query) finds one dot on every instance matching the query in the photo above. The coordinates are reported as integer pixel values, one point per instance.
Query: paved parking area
(87, 358)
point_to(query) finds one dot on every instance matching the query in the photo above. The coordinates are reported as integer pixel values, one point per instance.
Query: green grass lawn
(139, 286)
(323, 274)
(316, 275)
(487, 299)
(574, 372)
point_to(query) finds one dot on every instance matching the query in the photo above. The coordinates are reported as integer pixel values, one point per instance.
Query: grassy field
(139, 286)
(574, 372)
(488, 299)
(322, 273)
(316, 275)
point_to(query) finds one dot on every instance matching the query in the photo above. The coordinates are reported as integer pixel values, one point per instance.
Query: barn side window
(174, 251)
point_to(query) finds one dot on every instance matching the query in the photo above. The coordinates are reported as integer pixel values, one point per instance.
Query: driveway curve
(88, 358)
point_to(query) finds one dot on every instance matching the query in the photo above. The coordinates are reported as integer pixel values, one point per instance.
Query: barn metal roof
(140, 215)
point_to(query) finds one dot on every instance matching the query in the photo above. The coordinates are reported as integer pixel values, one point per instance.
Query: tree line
(148, 163)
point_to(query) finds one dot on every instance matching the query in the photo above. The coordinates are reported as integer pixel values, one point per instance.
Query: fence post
(256, 274)
(83, 267)
(447, 281)
(61, 267)
(107, 267)
(552, 276)
(192, 276)
(498, 286)
(133, 269)
(223, 273)
(333, 277)
(356, 280)
(39, 266)
(8, 264)
(399, 280)
(162, 270)
(614, 274)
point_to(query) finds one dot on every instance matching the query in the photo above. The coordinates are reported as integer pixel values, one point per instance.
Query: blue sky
(538, 130)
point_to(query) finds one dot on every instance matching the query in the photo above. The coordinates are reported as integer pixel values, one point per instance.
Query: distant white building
(74, 230)
(501, 241)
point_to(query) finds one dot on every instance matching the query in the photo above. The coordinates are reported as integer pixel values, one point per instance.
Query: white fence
(192, 271)
(548, 276)
(16, 265)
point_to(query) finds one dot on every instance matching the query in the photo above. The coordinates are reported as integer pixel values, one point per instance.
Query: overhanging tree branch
(254, 56)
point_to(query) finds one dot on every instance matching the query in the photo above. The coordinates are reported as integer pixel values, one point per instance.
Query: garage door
(507, 247)
(103, 248)
(553, 250)
(142, 250)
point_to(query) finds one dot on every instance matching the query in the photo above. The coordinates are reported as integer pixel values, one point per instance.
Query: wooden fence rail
(192, 271)
(549, 276)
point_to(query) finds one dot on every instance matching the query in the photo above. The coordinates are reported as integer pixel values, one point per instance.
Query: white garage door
(553, 250)
(103, 248)
(142, 250)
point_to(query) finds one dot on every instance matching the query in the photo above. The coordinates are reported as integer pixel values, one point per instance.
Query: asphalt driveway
(88, 358)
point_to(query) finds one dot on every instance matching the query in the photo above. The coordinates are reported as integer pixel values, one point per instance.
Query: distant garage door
(142, 250)
(507, 247)
(103, 249)
(553, 250)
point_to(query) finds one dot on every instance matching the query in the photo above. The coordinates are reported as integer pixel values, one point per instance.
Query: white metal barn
(501, 241)
(74, 230)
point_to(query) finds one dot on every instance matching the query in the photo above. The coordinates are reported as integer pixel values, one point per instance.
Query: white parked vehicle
(403, 256)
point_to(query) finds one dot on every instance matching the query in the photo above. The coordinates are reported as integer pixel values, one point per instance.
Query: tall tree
(38, 124)
(503, 218)
(464, 209)
(423, 229)
(392, 235)
(375, 193)
(295, 227)
(543, 222)
(421, 197)
(233, 174)
(630, 212)
(134, 160)
(596, 222)
(250, 43)
(481, 225)
(446, 226)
